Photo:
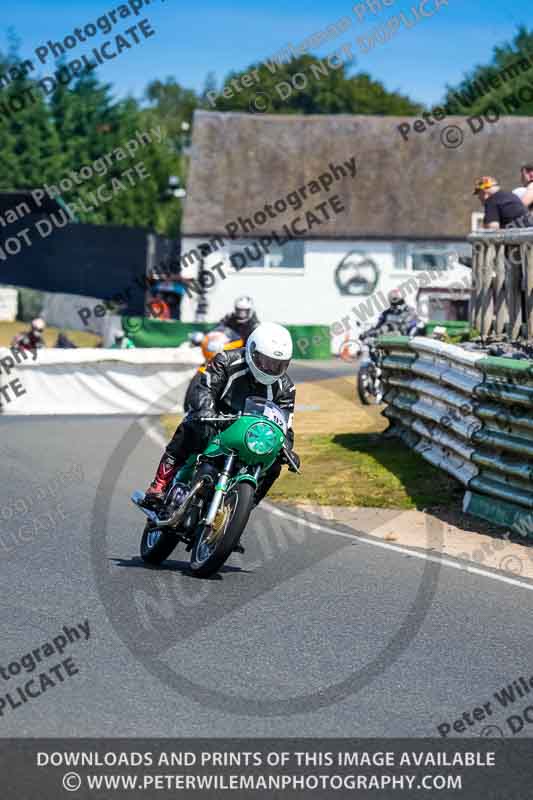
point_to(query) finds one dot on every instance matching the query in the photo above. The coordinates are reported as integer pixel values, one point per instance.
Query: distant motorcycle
(369, 382)
(369, 375)
(210, 499)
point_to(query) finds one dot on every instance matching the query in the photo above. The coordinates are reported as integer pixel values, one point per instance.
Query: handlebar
(293, 464)
(223, 418)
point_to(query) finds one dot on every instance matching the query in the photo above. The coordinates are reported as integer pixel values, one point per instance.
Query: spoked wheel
(213, 545)
(369, 390)
(157, 544)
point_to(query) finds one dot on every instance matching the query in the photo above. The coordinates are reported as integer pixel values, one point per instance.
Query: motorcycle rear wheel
(207, 557)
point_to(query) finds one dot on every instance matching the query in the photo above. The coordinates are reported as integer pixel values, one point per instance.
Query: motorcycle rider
(258, 369)
(32, 339)
(397, 318)
(243, 319)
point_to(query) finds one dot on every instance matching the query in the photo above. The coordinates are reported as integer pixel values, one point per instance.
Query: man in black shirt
(502, 209)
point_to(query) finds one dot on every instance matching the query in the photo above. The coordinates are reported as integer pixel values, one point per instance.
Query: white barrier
(8, 304)
(97, 381)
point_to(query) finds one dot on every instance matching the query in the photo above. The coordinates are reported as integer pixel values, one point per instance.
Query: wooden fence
(502, 283)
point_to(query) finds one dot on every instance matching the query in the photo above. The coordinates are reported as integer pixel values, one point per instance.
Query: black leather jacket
(227, 382)
(244, 329)
(396, 319)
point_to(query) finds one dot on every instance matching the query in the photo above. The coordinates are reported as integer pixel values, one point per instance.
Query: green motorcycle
(210, 499)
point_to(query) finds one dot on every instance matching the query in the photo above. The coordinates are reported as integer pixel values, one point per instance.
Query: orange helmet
(484, 183)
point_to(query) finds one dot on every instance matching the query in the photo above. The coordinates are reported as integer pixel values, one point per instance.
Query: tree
(309, 85)
(174, 106)
(32, 146)
(486, 85)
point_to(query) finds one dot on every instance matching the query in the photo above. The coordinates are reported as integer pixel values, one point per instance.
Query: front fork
(220, 490)
(221, 487)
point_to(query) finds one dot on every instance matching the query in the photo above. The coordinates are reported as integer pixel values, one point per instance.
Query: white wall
(310, 295)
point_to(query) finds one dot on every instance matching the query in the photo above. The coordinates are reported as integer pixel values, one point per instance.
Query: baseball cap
(484, 183)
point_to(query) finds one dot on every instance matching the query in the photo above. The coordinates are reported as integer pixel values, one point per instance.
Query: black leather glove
(206, 430)
(196, 415)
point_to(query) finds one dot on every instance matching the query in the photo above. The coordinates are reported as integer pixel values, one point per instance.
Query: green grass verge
(364, 469)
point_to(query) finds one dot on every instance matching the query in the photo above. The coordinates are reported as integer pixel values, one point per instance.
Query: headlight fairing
(261, 438)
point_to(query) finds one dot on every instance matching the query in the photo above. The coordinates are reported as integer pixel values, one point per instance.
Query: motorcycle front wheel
(157, 544)
(369, 393)
(212, 546)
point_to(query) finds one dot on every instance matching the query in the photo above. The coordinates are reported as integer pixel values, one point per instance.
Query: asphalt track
(313, 632)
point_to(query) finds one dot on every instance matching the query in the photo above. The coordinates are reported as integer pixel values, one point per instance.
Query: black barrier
(90, 260)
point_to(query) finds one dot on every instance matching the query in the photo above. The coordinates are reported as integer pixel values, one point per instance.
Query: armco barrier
(310, 341)
(470, 415)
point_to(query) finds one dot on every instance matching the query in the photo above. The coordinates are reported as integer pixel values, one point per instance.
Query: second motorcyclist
(397, 318)
(243, 319)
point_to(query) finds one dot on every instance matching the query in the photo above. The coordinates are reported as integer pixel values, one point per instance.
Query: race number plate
(276, 416)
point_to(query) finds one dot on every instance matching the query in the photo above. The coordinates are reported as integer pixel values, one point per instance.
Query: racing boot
(155, 494)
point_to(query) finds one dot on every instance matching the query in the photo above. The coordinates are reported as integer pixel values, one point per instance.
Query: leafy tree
(309, 85)
(511, 67)
(84, 115)
(79, 123)
(148, 203)
(210, 85)
(9, 166)
(32, 146)
(174, 106)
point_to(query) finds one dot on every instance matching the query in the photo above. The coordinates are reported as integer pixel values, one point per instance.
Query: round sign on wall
(357, 274)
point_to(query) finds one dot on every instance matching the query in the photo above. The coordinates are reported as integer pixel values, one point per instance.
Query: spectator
(526, 194)
(168, 285)
(158, 308)
(502, 209)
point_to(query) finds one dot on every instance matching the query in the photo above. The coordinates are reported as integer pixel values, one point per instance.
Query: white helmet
(37, 328)
(244, 308)
(38, 325)
(268, 352)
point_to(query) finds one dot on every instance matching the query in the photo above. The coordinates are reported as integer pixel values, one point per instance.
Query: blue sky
(218, 36)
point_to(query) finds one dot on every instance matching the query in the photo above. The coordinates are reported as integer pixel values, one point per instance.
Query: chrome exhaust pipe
(179, 513)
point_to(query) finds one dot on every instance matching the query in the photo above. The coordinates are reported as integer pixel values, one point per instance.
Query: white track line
(446, 562)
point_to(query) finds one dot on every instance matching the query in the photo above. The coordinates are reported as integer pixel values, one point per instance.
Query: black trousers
(189, 437)
(192, 437)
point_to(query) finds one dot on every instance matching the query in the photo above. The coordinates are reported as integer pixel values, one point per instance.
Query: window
(436, 257)
(423, 261)
(250, 254)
